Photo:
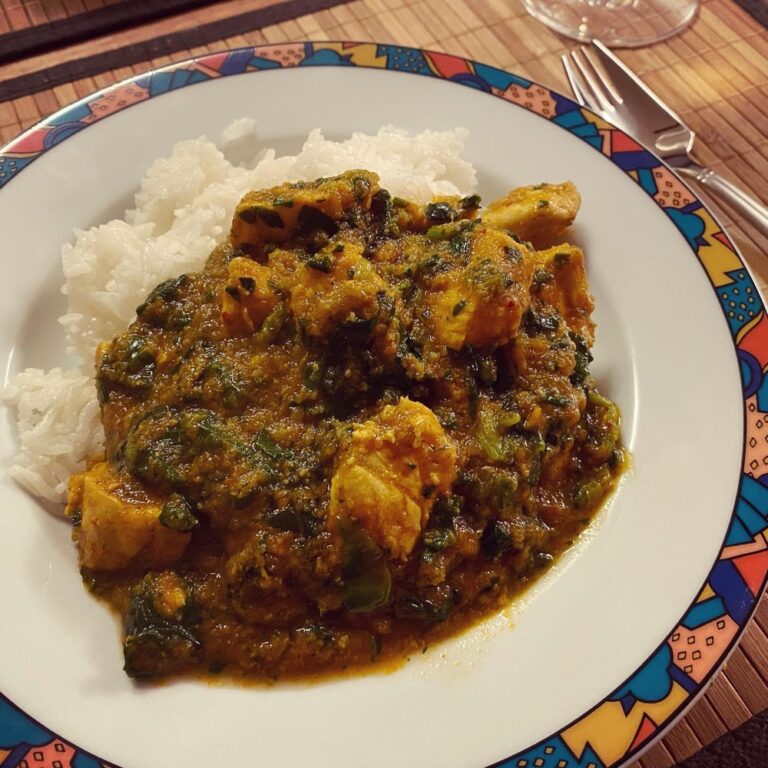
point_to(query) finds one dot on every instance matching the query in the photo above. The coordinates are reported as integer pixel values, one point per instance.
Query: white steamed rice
(183, 209)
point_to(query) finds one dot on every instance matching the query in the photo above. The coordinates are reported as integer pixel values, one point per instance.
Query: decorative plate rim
(627, 720)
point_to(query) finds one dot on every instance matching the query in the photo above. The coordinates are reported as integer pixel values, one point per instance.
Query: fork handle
(745, 205)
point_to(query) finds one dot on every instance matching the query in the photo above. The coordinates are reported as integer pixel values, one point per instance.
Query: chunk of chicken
(540, 214)
(482, 304)
(248, 296)
(338, 285)
(568, 290)
(278, 214)
(395, 467)
(118, 529)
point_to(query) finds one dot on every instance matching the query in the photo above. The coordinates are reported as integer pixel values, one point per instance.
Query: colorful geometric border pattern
(615, 729)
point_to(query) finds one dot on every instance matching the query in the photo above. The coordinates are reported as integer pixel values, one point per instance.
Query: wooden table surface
(714, 74)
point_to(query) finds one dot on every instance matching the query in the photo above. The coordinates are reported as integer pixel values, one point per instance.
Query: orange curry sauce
(364, 424)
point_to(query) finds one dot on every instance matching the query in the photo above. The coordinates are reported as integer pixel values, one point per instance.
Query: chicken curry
(364, 424)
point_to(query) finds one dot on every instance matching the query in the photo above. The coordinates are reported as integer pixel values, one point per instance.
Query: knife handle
(745, 205)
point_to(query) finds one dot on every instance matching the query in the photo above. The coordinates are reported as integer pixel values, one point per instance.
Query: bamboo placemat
(715, 74)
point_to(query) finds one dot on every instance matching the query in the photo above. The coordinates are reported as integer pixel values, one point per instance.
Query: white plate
(607, 649)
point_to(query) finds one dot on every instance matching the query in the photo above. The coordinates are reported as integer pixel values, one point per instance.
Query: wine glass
(624, 23)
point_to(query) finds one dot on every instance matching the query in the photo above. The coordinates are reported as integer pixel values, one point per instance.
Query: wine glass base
(617, 23)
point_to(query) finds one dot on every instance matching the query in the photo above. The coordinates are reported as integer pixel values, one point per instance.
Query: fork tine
(582, 84)
(592, 54)
(602, 98)
(573, 80)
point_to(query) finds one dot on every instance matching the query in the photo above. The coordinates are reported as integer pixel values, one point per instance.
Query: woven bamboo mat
(715, 75)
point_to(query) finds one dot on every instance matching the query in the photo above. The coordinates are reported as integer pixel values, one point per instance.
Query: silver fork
(604, 84)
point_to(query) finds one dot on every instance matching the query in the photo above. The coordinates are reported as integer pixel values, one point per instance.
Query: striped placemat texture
(715, 75)
(22, 14)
